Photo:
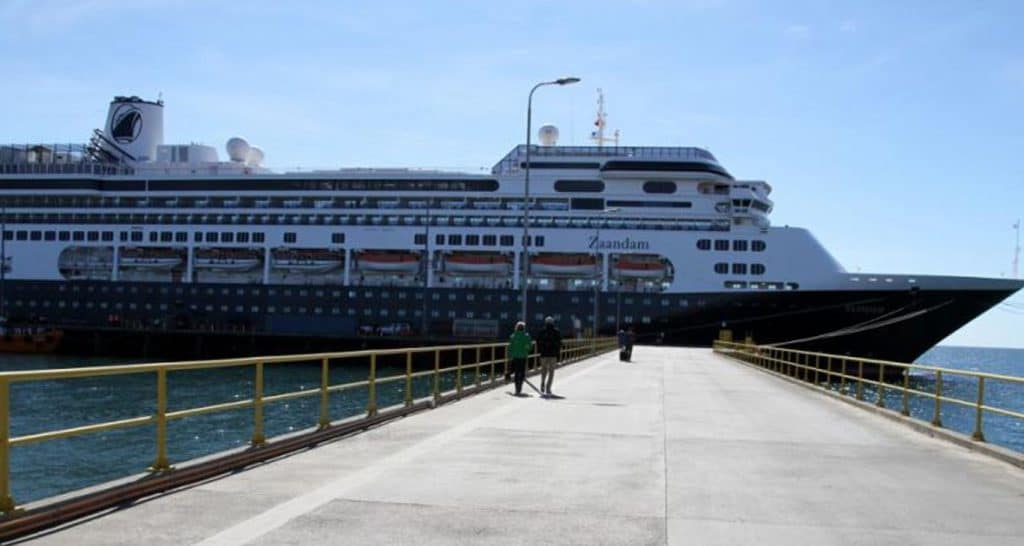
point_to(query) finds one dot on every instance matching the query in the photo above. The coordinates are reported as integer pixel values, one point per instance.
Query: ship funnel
(134, 126)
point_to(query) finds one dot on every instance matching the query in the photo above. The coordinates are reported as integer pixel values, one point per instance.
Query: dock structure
(679, 446)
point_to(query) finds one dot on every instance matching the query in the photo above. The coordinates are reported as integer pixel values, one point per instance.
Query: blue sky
(892, 130)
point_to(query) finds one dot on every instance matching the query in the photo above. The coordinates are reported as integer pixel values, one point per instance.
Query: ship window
(704, 244)
(22, 235)
(51, 235)
(257, 237)
(35, 235)
(721, 268)
(197, 236)
(739, 269)
(337, 238)
(439, 239)
(721, 244)
(582, 186)
(136, 236)
(587, 204)
(490, 240)
(153, 236)
(739, 245)
(420, 239)
(211, 237)
(659, 187)
(757, 269)
(455, 239)
(290, 237)
(242, 237)
(507, 240)
(78, 236)
(540, 240)
(181, 236)
(124, 236)
(228, 237)
(757, 246)
(166, 236)
(472, 240)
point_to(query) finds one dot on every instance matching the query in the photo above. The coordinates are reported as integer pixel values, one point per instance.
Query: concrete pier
(680, 446)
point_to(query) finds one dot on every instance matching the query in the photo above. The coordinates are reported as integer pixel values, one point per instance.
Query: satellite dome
(255, 156)
(548, 135)
(238, 149)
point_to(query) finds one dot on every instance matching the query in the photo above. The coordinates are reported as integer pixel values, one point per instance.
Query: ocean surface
(50, 468)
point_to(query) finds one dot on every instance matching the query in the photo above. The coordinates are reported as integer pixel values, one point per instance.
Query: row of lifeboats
(324, 260)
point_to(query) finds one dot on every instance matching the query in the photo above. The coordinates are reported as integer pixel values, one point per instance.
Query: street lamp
(526, 185)
(597, 261)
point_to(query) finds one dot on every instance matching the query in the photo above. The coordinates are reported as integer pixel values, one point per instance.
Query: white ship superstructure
(664, 238)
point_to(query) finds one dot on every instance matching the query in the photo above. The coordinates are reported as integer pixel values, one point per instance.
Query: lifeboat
(306, 260)
(564, 264)
(639, 268)
(488, 264)
(160, 259)
(227, 259)
(398, 262)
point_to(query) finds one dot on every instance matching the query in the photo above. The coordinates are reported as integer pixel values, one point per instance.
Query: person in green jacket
(519, 345)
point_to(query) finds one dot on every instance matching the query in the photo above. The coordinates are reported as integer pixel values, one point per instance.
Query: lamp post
(526, 186)
(426, 274)
(3, 257)
(597, 261)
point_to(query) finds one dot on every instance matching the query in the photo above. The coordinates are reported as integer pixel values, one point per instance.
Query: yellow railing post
(437, 376)
(493, 379)
(6, 500)
(881, 386)
(458, 372)
(817, 369)
(937, 417)
(161, 464)
(476, 373)
(860, 380)
(979, 435)
(842, 375)
(258, 438)
(371, 400)
(408, 379)
(828, 372)
(906, 391)
(325, 380)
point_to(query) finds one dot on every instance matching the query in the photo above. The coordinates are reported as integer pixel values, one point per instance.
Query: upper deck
(595, 156)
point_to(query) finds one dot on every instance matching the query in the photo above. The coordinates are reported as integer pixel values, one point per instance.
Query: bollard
(161, 464)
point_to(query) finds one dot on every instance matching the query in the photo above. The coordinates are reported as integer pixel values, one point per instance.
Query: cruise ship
(126, 230)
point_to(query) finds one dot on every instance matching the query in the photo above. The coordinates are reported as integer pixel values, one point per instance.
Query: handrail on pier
(823, 370)
(484, 362)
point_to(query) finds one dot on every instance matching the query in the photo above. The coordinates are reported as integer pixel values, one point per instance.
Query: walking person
(549, 343)
(630, 340)
(519, 345)
(623, 339)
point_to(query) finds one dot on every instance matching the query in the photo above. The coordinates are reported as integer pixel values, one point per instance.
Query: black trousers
(519, 372)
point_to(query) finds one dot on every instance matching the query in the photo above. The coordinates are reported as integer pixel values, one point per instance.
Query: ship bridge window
(579, 186)
(137, 236)
(721, 244)
(739, 269)
(290, 237)
(757, 246)
(659, 187)
(739, 245)
(35, 235)
(490, 240)
(704, 244)
(763, 207)
(211, 237)
(455, 240)
(507, 240)
(472, 240)
(721, 268)
(51, 235)
(228, 237)
(757, 269)
(22, 235)
(78, 236)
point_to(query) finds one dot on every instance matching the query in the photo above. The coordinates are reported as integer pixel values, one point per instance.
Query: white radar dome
(548, 135)
(238, 149)
(255, 156)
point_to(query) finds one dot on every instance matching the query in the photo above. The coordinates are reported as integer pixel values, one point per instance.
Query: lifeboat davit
(159, 259)
(227, 259)
(639, 268)
(492, 264)
(306, 260)
(398, 262)
(564, 264)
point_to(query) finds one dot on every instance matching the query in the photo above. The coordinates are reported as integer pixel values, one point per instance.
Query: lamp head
(567, 80)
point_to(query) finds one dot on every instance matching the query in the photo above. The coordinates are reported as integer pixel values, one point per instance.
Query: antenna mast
(598, 135)
(1016, 249)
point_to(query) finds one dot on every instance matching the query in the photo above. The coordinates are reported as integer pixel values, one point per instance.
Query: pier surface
(680, 446)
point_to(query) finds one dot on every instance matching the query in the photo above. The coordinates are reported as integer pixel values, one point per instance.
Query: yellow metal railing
(482, 360)
(852, 373)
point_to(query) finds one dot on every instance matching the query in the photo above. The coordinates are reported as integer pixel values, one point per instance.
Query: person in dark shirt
(549, 343)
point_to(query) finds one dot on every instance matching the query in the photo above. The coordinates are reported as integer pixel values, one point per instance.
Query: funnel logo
(126, 124)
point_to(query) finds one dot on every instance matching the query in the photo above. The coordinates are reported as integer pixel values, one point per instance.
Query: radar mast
(598, 135)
